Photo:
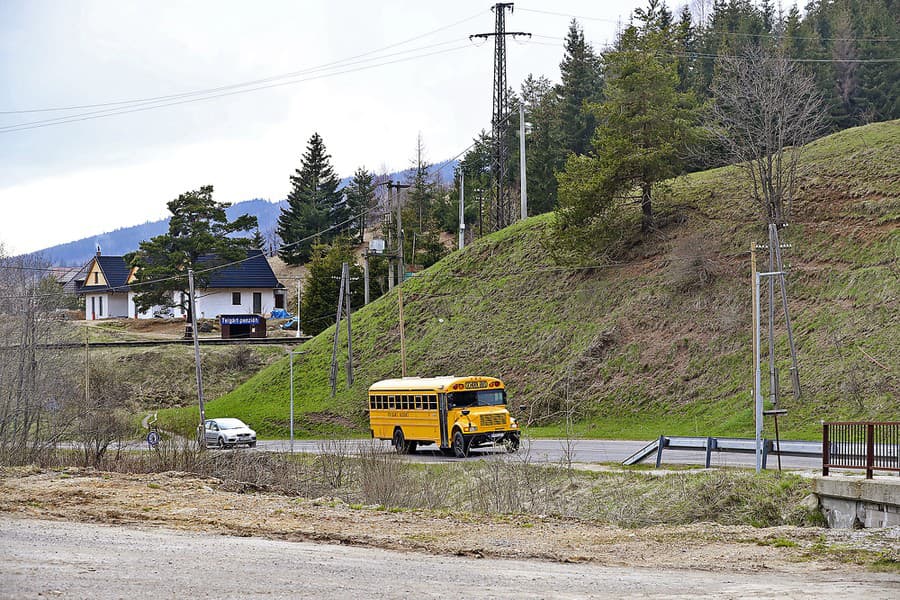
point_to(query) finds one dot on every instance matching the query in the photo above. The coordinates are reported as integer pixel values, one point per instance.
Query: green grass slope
(658, 343)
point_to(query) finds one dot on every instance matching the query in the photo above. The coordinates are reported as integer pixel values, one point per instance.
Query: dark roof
(115, 271)
(254, 272)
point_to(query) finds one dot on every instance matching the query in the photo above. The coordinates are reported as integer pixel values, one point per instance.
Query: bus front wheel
(460, 444)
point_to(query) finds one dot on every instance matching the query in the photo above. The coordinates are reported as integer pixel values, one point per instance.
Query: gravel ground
(40, 559)
(166, 522)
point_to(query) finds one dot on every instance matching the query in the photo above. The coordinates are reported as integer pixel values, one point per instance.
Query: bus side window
(432, 402)
(419, 402)
(378, 402)
(390, 402)
(371, 402)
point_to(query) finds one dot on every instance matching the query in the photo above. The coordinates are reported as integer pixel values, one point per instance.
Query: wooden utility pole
(346, 276)
(757, 396)
(402, 336)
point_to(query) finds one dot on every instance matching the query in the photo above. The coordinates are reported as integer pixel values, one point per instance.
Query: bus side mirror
(465, 412)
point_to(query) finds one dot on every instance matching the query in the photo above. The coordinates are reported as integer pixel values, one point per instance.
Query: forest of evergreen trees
(622, 117)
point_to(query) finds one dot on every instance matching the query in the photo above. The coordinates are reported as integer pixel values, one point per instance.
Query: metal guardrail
(869, 445)
(713, 444)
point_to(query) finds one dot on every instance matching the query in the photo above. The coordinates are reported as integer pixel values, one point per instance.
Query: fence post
(870, 450)
(826, 450)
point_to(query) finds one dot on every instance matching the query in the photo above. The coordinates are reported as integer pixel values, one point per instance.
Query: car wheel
(511, 443)
(460, 445)
(220, 444)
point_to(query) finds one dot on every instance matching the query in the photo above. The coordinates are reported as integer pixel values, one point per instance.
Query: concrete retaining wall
(850, 502)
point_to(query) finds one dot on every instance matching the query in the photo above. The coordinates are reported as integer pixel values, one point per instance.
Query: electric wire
(255, 81)
(114, 112)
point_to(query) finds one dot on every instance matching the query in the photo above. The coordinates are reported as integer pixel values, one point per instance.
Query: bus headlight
(513, 423)
(472, 427)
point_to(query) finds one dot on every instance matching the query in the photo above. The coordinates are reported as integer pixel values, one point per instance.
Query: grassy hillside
(658, 343)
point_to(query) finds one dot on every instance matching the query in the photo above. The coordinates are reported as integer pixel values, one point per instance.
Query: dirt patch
(186, 502)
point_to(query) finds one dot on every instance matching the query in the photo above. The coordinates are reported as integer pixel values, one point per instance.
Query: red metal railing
(869, 445)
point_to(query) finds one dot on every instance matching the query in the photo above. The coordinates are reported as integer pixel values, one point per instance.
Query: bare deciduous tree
(34, 382)
(765, 107)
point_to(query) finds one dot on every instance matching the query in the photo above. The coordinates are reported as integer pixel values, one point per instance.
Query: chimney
(98, 250)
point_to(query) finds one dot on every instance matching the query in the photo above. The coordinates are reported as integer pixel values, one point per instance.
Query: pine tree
(360, 198)
(198, 228)
(314, 205)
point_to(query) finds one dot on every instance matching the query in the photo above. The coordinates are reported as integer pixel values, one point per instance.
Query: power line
(113, 112)
(255, 81)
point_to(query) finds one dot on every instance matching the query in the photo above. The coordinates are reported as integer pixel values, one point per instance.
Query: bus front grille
(493, 420)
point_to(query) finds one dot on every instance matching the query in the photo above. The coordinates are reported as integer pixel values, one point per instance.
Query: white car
(228, 433)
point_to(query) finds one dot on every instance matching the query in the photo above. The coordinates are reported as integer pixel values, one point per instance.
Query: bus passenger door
(442, 420)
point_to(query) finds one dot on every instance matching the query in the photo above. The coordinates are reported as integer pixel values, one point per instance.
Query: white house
(248, 287)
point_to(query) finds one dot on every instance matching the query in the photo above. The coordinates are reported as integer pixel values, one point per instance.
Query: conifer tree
(645, 124)
(198, 228)
(314, 205)
(581, 82)
(322, 288)
(360, 197)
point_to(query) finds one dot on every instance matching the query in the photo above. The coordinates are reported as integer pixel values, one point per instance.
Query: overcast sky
(60, 182)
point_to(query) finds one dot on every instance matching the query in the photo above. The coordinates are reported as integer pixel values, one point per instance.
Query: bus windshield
(477, 398)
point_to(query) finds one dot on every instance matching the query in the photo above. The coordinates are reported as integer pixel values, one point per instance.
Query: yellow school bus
(455, 413)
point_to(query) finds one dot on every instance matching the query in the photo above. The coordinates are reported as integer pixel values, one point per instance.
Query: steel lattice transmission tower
(503, 213)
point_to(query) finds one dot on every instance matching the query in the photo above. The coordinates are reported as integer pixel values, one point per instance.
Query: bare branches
(764, 109)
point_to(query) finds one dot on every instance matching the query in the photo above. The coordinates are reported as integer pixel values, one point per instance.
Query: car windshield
(479, 398)
(230, 423)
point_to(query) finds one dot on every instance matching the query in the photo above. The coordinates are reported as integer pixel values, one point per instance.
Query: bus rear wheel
(400, 443)
(460, 445)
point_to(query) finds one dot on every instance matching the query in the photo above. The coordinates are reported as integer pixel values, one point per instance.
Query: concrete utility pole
(291, 353)
(298, 307)
(524, 187)
(366, 278)
(197, 368)
(462, 213)
(503, 214)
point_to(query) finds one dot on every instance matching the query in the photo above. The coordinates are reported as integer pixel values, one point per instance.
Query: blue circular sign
(153, 438)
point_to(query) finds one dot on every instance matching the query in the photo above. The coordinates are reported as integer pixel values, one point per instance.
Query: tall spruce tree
(314, 205)
(542, 156)
(360, 195)
(581, 83)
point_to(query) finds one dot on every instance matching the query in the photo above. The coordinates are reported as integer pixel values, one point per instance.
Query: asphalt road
(555, 451)
(52, 559)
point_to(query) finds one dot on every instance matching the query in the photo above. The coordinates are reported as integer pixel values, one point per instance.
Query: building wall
(210, 304)
(106, 306)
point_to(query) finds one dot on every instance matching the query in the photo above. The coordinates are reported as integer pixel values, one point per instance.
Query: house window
(236, 298)
(101, 305)
(279, 300)
(96, 277)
